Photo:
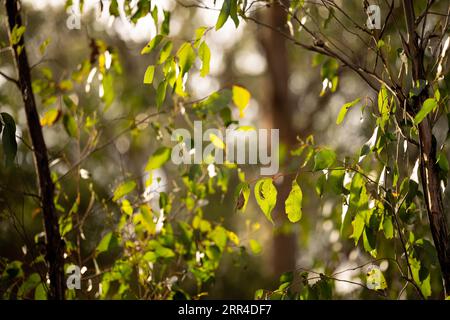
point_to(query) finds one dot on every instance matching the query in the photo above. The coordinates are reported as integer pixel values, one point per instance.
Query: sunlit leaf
(123, 189)
(255, 247)
(241, 98)
(427, 107)
(152, 44)
(186, 57)
(205, 56)
(376, 280)
(266, 196)
(50, 117)
(159, 158)
(149, 73)
(324, 159)
(293, 203)
(344, 110)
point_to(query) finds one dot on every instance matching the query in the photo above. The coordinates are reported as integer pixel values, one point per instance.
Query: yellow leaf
(241, 98)
(50, 117)
(216, 141)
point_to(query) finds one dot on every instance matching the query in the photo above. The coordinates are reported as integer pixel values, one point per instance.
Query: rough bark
(54, 245)
(429, 169)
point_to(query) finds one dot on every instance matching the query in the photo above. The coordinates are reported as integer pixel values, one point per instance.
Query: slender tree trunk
(54, 245)
(429, 169)
(279, 116)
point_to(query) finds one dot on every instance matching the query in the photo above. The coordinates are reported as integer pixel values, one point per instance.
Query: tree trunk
(429, 169)
(279, 116)
(54, 245)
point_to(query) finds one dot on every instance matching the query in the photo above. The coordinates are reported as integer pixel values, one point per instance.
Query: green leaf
(219, 236)
(70, 104)
(344, 110)
(165, 52)
(32, 281)
(442, 161)
(324, 159)
(40, 293)
(224, 14)
(266, 196)
(108, 241)
(108, 87)
(70, 125)
(427, 107)
(165, 26)
(215, 102)
(186, 57)
(9, 138)
(376, 280)
(255, 247)
(149, 73)
(293, 203)
(229, 9)
(152, 44)
(205, 56)
(358, 226)
(159, 158)
(199, 33)
(17, 34)
(370, 241)
(241, 98)
(388, 227)
(161, 94)
(383, 101)
(123, 189)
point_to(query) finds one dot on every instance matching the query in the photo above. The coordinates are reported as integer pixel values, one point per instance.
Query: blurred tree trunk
(429, 169)
(54, 245)
(278, 115)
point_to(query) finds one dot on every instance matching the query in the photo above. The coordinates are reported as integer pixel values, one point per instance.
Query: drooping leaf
(160, 157)
(293, 203)
(241, 98)
(205, 56)
(224, 14)
(243, 193)
(70, 125)
(161, 94)
(149, 73)
(9, 142)
(165, 26)
(266, 196)
(165, 52)
(186, 57)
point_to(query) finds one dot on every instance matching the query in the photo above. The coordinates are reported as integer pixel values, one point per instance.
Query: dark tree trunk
(279, 116)
(54, 245)
(429, 170)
